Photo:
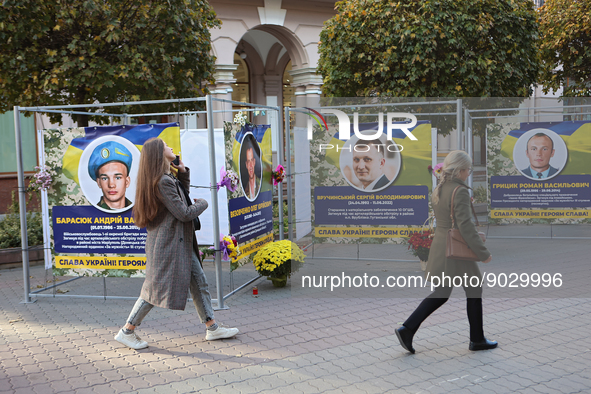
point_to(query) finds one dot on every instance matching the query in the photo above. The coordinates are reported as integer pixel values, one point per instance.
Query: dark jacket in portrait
(383, 181)
(528, 172)
(257, 182)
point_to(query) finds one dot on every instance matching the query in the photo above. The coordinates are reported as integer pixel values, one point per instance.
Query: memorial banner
(538, 172)
(345, 205)
(195, 148)
(249, 154)
(94, 170)
(370, 189)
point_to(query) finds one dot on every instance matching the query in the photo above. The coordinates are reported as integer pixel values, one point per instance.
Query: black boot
(485, 344)
(405, 337)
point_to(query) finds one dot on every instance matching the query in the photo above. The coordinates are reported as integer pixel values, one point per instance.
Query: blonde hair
(454, 162)
(147, 196)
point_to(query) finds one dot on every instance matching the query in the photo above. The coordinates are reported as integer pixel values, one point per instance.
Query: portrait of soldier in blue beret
(109, 165)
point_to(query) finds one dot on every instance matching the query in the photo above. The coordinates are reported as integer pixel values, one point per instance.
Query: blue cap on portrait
(107, 152)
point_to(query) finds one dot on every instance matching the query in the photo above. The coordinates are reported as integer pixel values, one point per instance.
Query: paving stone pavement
(296, 343)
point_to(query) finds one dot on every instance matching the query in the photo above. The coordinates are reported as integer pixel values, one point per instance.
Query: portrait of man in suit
(539, 151)
(368, 164)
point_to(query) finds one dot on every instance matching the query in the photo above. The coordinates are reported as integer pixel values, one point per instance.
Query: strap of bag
(453, 222)
(196, 221)
(429, 223)
(185, 193)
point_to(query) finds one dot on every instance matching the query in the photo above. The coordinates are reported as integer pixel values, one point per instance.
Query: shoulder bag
(456, 247)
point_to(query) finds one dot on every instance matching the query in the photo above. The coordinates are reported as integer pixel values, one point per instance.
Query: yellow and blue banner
(93, 194)
(136, 135)
(361, 184)
(251, 205)
(541, 170)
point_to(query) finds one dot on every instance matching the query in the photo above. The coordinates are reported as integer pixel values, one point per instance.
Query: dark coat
(528, 172)
(383, 181)
(438, 263)
(169, 246)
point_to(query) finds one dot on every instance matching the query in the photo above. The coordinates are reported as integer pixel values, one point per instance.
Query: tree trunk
(82, 120)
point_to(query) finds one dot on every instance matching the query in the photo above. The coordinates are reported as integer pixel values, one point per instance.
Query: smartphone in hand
(176, 161)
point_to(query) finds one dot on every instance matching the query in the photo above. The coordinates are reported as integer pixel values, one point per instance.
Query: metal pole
(56, 285)
(242, 286)
(433, 156)
(22, 202)
(78, 113)
(280, 160)
(241, 103)
(214, 204)
(383, 105)
(44, 206)
(119, 103)
(289, 178)
(459, 123)
(469, 150)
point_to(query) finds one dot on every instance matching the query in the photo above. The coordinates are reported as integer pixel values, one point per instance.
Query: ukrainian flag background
(576, 135)
(262, 133)
(415, 155)
(138, 135)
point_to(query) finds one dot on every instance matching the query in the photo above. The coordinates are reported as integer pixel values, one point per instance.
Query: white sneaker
(131, 340)
(220, 333)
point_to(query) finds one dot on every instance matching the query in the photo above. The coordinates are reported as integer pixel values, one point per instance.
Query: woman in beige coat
(172, 263)
(457, 167)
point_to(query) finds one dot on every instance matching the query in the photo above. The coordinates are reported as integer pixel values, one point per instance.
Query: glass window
(241, 88)
(28, 143)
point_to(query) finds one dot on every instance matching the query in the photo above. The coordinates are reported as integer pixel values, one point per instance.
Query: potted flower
(278, 260)
(419, 244)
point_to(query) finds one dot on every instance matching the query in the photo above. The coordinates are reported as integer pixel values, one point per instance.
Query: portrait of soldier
(539, 151)
(250, 167)
(109, 165)
(369, 164)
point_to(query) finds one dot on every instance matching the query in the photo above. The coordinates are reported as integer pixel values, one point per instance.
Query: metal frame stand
(289, 173)
(213, 174)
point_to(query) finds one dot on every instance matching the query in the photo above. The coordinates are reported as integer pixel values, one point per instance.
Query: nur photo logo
(345, 124)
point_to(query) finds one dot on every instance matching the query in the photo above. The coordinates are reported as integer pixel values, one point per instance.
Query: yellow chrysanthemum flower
(273, 256)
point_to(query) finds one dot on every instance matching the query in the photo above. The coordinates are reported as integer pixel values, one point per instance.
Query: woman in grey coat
(172, 262)
(457, 167)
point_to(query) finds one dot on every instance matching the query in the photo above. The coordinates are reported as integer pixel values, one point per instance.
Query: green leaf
(40, 65)
(418, 32)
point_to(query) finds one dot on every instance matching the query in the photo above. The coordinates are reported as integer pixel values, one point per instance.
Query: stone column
(308, 90)
(307, 84)
(222, 89)
(273, 88)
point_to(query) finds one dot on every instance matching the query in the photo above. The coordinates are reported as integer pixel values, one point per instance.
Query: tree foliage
(10, 226)
(430, 48)
(57, 52)
(566, 46)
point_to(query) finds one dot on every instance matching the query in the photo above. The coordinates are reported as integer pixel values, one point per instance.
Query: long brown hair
(147, 196)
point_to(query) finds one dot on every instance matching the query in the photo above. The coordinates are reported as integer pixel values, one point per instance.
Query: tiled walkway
(298, 342)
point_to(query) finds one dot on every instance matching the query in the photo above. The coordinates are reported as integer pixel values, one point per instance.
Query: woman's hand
(180, 167)
(488, 260)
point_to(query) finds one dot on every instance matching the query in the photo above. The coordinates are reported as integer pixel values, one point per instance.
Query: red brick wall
(9, 184)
